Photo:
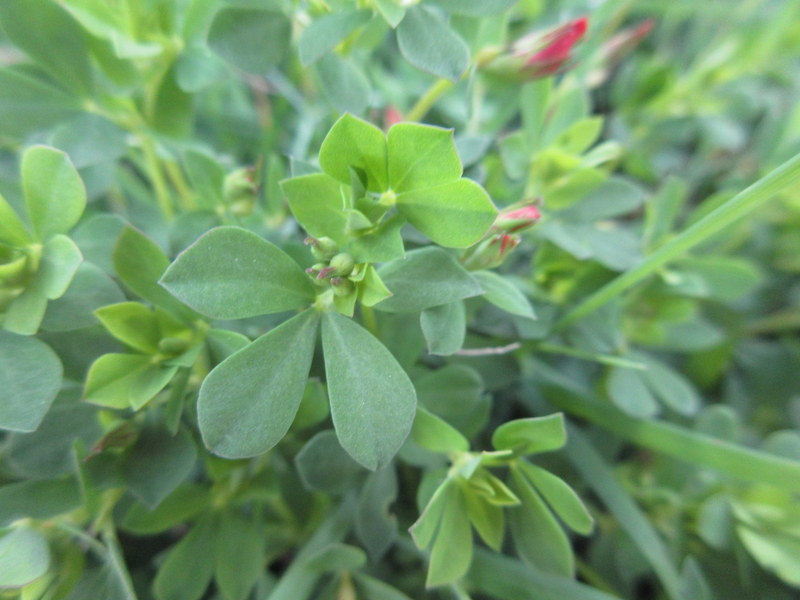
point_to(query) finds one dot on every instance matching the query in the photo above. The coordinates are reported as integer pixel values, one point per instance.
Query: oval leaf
(429, 44)
(231, 273)
(372, 400)
(248, 402)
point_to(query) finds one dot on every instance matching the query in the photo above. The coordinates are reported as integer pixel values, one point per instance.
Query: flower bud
(342, 264)
(537, 54)
(514, 220)
(491, 252)
(323, 248)
(239, 190)
(173, 346)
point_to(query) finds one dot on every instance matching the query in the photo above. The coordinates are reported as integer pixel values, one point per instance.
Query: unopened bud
(323, 248)
(239, 186)
(172, 346)
(342, 264)
(517, 219)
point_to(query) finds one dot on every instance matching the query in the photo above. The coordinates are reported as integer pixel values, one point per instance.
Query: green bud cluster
(17, 268)
(239, 191)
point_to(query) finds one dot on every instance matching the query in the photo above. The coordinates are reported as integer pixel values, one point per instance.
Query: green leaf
(476, 8)
(175, 456)
(317, 202)
(504, 294)
(429, 44)
(382, 244)
(47, 33)
(28, 105)
(24, 557)
(715, 221)
(531, 436)
(253, 40)
(232, 273)
(326, 32)
(189, 566)
(30, 377)
(345, 85)
(487, 518)
(239, 555)
(60, 259)
(248, 402)
(436, 435)
(336, 557)
(424, 278)
(355, 143)
(375, 589)
(451, 552)
(372, 400)
(324, 466)
(391, 12)
(54, 193)
(628, 391)
(425, 527)
(133, 324)
(125, 380)
(672, 388)
(455, 214)
(38, 499)
(13, 230)
(185, 502)
(375, 525)
(89, 290)
(444, 327)
(561, 498)
(171, 113)
(371, 289)
(140, 263)
(538, 538)
(421, 156)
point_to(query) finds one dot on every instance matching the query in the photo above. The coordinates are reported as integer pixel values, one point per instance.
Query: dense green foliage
(382, 299)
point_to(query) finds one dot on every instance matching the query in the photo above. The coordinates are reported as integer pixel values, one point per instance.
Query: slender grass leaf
(248, 402)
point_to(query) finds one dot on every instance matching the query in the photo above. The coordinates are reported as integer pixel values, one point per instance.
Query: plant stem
(428, 99)
(370, 321)
(179, 182)
(156, 176)
(723, 216)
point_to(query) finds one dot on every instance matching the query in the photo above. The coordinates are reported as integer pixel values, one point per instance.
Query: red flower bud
(548, 54)
(517, 219)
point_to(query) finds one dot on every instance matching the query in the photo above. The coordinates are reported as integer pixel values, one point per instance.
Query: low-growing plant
(381, 299)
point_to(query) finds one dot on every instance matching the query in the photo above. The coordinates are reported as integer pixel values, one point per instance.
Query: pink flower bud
(517, 219)
(547, 54)
(392, 116)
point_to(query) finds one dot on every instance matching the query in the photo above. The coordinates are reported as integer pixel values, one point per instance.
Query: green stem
(370, 321)
(179, 182)
(428, 99)
(156, 176)
(725, 215)
(606, 359)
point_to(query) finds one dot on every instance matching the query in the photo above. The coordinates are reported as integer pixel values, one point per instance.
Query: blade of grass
(631, 519)
(684, 444)
(728, 213)
(504, 578)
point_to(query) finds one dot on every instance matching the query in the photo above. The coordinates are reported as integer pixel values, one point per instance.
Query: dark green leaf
(174, 455)
(372, 400)
(324, 466)
(325, 33)
(375, 525)
(239, 555)
(429, 44)
(253, 40)
(424, 278)
(28, 105)
(231, 273)
(38, 499)
(629, 392)
(444, 327)
(248, 402)
(89, 290)
(30, 377)
(178, 507)
(189, 566)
